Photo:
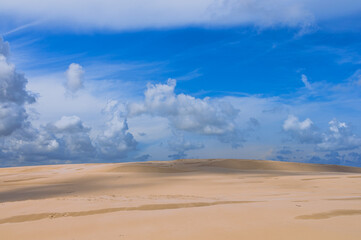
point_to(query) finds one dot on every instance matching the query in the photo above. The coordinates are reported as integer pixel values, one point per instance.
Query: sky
(118, 81)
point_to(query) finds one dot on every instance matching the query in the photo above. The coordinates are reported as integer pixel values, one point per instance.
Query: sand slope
(183, 199)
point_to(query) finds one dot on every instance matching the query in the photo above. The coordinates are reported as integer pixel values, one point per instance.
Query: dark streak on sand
(148, 207)
(326, 215)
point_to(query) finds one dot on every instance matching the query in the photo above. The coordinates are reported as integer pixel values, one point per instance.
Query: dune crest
(190, 165)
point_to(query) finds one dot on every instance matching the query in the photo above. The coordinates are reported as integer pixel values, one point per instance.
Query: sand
(183, 199)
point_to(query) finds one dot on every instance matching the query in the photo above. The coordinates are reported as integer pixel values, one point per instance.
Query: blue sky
(115, 81)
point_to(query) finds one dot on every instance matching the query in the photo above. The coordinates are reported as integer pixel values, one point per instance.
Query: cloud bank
(64, 140)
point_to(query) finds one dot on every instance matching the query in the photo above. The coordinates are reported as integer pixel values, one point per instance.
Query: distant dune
(204, 165)
(182, 199)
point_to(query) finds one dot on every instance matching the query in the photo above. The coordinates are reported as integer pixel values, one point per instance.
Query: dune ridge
(190, 165)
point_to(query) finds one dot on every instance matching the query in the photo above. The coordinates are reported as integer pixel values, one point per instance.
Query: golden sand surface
(183, 199)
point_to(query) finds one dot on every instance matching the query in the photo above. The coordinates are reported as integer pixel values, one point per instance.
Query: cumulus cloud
(302, 131)
(74, 78)
(71, 133)
(185, 112)
(212, 117)
(292, 123)
(13, 94)
(67, 139)
(12, 117)
(115, 141)
(137, 14)
(64, 140)
(67, 124)
(339, 137)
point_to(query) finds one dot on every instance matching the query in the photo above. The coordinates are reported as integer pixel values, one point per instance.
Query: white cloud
(74, 78)
(293, 123)
(206, 116)
(115, 141)
(339, 137)
(46, 144)
(69, 124)
(73, 136)
(305, 81)
(52, 105)
(136, 14)
(301, 131)
(65, 139)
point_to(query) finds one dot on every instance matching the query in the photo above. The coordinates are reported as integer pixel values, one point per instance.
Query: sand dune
(183, 199)
(184, 165)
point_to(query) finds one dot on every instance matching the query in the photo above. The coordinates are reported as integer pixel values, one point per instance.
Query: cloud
(115, 141)
(74, 78)
(139, 14)
(354, 159)
(356, 77)
(32, 146)
(305, 81)
(209, 117)
(334, 157)
(67, 124)
(74, 137)
(293, 124)
(67, 139)
(64, 140)
(12, 117)
(13, 95)
(339, 137)
(302, 131)
(4, 48)
(181, 146)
